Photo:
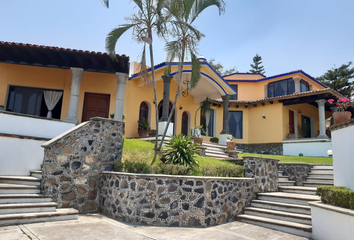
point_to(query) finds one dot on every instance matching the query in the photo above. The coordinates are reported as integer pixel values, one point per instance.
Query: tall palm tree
(182, 15)
(146, 21)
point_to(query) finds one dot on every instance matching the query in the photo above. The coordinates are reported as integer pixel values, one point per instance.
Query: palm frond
(195, 71)
(200, 5)
(139, 3)
(113, 37)
(173, 50)
(143, 70)
(106, 3)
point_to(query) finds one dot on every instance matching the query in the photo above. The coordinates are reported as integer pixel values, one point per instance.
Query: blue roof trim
(186, 71)
(244, 73)
(159, 66)
(281, 75)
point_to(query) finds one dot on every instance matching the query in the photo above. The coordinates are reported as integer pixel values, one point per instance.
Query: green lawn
(312, 160)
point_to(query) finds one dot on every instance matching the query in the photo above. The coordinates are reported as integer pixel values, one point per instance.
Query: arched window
(169, 111)
(304, 86)
(281, 88)
(144, 112)
(185, 121)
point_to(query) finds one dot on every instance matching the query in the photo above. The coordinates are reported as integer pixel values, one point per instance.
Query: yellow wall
(54, 78)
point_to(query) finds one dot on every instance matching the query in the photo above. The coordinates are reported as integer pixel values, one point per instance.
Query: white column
(297, 84)
(74, 94)
(321, 115)
(121, 81)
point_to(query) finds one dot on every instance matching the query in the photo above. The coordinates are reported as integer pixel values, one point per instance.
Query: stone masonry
(297, 172)
(176, 201)
(262, 148)
(74, 161)
(264, 171)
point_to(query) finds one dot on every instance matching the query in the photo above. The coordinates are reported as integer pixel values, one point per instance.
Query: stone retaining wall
(74, 161)
(264, 171)
(297, 172)
(179, 201)
(262, 148)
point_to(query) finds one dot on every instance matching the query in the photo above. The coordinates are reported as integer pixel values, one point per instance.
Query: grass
(142, 151)
(312, 160)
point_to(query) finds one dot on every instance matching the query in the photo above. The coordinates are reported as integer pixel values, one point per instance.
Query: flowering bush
(229, 137)
(342, 103)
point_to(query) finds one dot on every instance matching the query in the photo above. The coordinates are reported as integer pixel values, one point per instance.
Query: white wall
(18, 156)
(30, 126)
(311, 147)
(331, 225)
(343, 157)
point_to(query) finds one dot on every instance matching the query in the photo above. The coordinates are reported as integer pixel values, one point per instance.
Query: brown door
(291, 122)
(95, 105)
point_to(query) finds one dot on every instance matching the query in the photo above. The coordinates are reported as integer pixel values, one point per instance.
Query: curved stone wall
(180, 201)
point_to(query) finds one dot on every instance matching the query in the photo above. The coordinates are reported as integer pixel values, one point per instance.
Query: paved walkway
(98, 227)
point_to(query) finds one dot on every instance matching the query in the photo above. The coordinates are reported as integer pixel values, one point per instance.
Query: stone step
(283, 178)
(285, 226)
(23, 180)
(298, 189)
(286, 207)
(286, 183)
(319, 179)
(319, 171)
(36, 173)
(218, 156)
(214, 151)
(214, 145)
(279, 215)
(322, 167)
(27, 208)
(317, 184)
(6, 188)
(328, 175)
(24, 198)
(62, 214)
(291, 198)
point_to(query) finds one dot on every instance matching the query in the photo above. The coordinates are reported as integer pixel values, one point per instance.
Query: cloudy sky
(312, 35)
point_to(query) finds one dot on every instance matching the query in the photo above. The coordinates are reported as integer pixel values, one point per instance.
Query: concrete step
(286, 183)
(322, 167)
(280, 173)
(36, 173)
(27, 208)
(24, 198)
(62, 214)
(319, 179)
(218, 156)
(285, 226)
(214, 151)
(286, 207)
(298, 189)
(291, 198)
(214, 145)
(6, 188)
(325, 175)
(24, 180)
(283, 178)
(279, 215)
(317, 184)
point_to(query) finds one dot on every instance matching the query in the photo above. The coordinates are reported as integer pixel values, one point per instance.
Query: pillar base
(162, 126)
(222, 139)
(322, 136)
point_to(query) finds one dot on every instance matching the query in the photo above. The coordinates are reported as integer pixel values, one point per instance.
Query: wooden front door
(291, 122)
(95, 105)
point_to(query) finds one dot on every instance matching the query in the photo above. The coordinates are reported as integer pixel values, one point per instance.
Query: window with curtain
(304, 86)
(207, 121)
(236, 124)
(35, 101)
(144, 112)
(234, 87)
(281, 88)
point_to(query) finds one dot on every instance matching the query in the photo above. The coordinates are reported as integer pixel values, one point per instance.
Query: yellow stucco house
(281, 114)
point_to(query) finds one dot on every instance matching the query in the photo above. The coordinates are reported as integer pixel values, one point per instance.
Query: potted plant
(229, 143)
(197, 133)
(143, 128)
(342, 105)
(214, 140)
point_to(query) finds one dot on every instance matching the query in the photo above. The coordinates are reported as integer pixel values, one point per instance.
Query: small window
(281, 88)
(185, 121)
(236, 124)
(144, 112)
(31, 101)
(234, 96)
(304, 86)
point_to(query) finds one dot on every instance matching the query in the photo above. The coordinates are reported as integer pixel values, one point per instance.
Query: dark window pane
(236, 124)
(234, 97)
(281, 88)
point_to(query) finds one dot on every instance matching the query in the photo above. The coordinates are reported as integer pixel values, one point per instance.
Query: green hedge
(337, 196)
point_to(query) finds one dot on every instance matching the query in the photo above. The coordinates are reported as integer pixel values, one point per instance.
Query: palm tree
(146, 21)
(182, 14)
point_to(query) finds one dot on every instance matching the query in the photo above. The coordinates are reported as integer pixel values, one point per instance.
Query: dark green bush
(223, 171)
(337, 196)
(214, 139)
(181, 150)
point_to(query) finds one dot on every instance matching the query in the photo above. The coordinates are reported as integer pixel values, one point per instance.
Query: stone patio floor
(98, 227)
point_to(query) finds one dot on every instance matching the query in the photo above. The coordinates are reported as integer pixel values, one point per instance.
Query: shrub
(223, 171)
(214, 140)
(181, 151)
(337, 196)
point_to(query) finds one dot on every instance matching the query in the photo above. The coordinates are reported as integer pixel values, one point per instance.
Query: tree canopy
(220, 68)
(256, 67)
(339, 79)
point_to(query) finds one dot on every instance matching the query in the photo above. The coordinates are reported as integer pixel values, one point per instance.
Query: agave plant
(181, 150)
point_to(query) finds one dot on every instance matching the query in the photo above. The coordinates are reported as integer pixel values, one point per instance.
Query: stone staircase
(284, 180)
(216, 150)
(21, 202)
(320, 175)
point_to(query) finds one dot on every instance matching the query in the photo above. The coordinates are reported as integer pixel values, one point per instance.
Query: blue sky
(312, 35)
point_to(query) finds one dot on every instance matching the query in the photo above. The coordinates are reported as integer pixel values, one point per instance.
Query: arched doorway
(185, 123)
(144, 112)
